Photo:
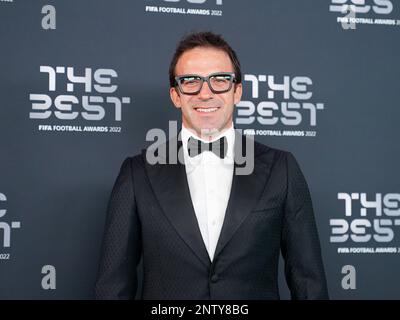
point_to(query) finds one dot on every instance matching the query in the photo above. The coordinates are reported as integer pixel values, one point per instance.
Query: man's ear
(237, 94)
(175, 97)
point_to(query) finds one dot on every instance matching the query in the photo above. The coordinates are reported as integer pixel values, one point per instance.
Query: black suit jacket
(151, 215)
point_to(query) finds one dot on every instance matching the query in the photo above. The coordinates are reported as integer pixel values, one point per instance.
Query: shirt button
(213, 223)
(214, 278)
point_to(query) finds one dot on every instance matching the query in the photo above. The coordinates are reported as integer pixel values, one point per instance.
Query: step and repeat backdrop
(82, 82)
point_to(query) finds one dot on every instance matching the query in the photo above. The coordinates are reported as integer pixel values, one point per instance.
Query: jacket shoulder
(133, 161)
(268, 153)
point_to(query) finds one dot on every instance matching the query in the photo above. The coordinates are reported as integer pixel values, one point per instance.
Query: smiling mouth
(206, 110)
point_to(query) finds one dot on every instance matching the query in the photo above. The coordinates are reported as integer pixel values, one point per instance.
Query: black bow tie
(218, 147)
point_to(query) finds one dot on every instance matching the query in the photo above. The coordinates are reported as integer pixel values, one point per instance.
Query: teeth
(207, 109)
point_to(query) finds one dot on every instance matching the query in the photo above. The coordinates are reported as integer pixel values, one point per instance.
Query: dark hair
(203, 39)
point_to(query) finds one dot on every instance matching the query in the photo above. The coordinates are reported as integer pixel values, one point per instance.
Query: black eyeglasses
(218, 82)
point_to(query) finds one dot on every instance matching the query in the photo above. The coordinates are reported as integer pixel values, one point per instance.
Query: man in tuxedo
(203, 229)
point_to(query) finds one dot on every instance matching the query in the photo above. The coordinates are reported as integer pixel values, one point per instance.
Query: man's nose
(205, 91)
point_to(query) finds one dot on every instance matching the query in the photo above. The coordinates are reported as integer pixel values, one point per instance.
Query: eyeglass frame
(206, 79)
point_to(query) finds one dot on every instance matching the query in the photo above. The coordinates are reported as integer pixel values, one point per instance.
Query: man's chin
(206, 129)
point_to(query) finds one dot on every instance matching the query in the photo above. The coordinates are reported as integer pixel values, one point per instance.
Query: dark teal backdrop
(82, 82)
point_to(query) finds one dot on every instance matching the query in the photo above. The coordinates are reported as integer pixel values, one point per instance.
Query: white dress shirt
(210, 181)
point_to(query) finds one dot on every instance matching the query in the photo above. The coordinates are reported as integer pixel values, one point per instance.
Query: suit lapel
(245, 192)
(171, 189)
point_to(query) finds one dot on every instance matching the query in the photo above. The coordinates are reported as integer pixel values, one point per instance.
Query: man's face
(204, 61)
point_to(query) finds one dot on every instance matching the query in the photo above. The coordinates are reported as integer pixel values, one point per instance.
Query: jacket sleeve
(121, 247)
(300, 244)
